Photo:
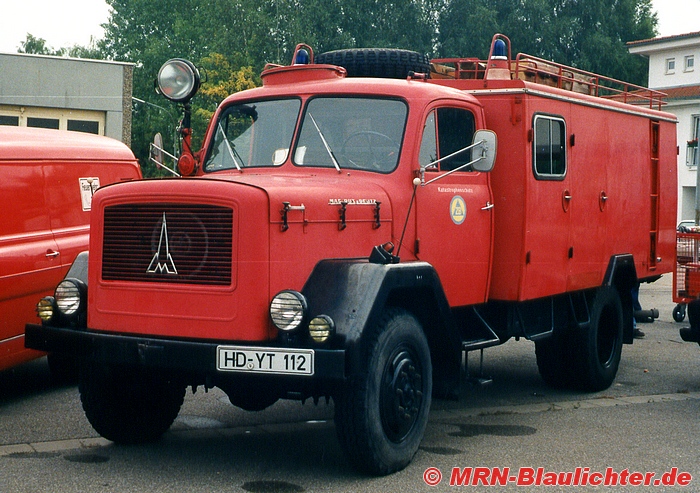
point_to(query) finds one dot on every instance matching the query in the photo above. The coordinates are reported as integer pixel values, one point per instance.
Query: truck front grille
(174, 243)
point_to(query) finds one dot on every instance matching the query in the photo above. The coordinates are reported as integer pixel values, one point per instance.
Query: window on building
(55, 118)
(86, 126)
(549, 148)
(692, 156)
(447, 131)
(43, 122)
(670, 65)
(9, 120)
(689, 65)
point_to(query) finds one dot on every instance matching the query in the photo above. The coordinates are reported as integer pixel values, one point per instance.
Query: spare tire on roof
(377, 62)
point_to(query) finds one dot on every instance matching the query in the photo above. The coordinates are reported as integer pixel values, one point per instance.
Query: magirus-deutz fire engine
(352, 227)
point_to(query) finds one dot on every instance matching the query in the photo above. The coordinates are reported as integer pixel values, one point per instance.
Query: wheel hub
(402, 395)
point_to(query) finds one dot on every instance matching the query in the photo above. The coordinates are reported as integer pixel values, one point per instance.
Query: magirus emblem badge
(162, 262)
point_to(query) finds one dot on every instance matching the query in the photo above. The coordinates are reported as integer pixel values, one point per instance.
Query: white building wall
(682, 83)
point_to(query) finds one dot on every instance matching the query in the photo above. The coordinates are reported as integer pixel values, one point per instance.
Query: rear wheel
(129, 405)
(597, 348)
(382, 412)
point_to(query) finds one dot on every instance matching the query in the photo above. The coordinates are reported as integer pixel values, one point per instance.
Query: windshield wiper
(325, 144)
(231, 149)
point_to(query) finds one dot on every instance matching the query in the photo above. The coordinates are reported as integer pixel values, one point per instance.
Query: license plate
(265, 360)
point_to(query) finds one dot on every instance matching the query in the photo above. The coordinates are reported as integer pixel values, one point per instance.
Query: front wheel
(127, 405)
(382, 412)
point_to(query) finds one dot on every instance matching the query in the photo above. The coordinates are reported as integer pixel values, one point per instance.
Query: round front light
(70, 296)
(287, 310)
(321, 328)
(178, 80)
(45, 308)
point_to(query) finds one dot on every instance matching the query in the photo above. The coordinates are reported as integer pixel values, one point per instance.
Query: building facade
(673, 69)
(66, 94)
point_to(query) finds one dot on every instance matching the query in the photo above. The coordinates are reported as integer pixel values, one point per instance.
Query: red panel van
(47, 178)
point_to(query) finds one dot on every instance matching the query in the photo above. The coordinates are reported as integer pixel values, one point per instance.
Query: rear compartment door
(454, 214)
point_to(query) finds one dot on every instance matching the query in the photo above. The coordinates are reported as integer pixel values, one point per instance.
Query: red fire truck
(346, 231)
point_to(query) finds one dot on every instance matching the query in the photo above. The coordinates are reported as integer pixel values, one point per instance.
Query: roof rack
(533, 69)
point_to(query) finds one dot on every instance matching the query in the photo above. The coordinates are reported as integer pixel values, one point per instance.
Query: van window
(446, 131)
(549, 148)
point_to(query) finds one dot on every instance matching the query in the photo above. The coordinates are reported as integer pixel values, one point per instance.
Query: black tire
(129, 406)
(554, 360)
(377, 62)
(597, 348)
(382, 412)
(679, 312)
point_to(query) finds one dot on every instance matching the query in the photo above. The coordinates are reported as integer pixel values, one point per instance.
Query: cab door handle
(488, 206)
(52, 253)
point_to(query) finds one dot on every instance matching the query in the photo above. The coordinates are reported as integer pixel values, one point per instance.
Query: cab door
(454, 213)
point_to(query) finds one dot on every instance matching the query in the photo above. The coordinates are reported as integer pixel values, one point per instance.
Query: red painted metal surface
(44, 224)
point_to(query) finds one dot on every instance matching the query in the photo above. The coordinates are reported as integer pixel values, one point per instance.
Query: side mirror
(484, 151)
(157, 150)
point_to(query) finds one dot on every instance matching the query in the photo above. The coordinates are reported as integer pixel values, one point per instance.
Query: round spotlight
(178, 80)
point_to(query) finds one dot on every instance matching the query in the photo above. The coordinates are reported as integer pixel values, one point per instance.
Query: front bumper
(194, 358)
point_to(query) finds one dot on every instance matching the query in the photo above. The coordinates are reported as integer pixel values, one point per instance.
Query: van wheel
(554, 360)
(597, 348)
(129, 406)
(377, 62)
(382, 412)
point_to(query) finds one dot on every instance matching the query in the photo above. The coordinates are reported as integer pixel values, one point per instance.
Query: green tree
(587, 34)
(37, 46)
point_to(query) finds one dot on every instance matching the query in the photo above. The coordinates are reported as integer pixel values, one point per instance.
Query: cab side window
(549, 148)
(446, 131)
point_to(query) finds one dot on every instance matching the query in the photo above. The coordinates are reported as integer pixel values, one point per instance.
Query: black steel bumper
(184, 356)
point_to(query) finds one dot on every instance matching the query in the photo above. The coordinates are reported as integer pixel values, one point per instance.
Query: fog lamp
(45, 308)
(321, 328)
(287, 310)
(178, 80)
(70, 296)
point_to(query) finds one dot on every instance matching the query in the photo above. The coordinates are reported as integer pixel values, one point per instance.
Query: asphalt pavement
(507, 427)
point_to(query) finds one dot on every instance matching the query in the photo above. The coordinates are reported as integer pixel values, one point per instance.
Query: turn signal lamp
(321, 328)
(45, 308)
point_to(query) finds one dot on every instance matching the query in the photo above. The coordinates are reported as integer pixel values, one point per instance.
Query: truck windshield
(253, 135)
(351, 133)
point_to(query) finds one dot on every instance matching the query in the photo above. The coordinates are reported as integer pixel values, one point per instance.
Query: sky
(65, 23)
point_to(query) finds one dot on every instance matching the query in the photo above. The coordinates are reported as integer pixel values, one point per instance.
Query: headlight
(287, 310)
(321, 328)
(70, 295)
(45, 308)
(178, 80)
